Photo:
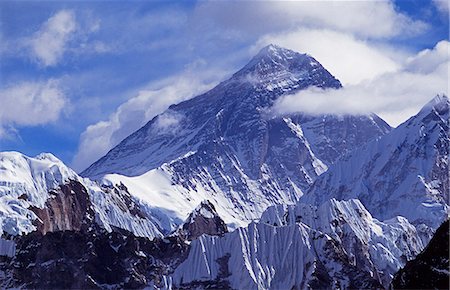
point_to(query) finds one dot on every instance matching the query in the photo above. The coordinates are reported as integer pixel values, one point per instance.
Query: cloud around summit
(394, 95)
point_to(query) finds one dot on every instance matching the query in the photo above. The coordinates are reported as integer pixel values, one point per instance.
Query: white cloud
(97, 139)
(372, 19)
(395, 96)
(349, 59)
(30, 104)
(49, 43)
(427, 60)
(168, 122)
(442, 5)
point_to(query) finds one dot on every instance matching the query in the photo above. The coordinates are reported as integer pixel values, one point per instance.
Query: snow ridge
(405, 172)
(26, 182)
(337, 244)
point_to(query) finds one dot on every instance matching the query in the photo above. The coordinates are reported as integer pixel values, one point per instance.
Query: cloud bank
(30, 104)
(366, 19)
(393, 95)
(442, 5)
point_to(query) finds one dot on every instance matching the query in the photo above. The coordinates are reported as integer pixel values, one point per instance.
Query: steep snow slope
(232, 110)
(28, 185)
(406, 172)
(224, 146)
(336, 245)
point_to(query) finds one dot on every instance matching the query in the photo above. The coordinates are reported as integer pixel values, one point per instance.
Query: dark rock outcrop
(203, 220)
(94, 259)
(68, 208)
(69, 250)
(430, 269)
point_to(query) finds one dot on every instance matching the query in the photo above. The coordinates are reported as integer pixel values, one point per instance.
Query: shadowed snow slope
(406, 172)
(431, 268)
(225, 147)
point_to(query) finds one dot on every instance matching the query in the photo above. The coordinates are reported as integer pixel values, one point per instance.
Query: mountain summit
(222, 146)
(275, 67)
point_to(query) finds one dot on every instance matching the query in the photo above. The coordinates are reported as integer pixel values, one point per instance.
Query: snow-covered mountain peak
(276, 54)
(30, 186)
(275, 67)
(24, 182)
(337, 244)
(48, 156)
(32, 176)
(222, 147)
(439, 104)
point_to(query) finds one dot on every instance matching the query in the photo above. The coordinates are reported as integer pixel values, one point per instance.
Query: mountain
(226, 147)
(405, 172)
(59, 230)
(42, 194)
(89, 258)
(163, 208)
(336, 245)
(402, 180)
(431, 268)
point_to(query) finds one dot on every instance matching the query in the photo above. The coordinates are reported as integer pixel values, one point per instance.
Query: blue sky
(77, 77)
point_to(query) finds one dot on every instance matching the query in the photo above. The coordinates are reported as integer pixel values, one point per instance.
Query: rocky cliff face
(42, 193)
(431, 268)
(203, 220)
(68, 208)
(90, 259)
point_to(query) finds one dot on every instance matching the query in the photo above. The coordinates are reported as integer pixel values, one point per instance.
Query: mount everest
(234, 197)
(224, 146)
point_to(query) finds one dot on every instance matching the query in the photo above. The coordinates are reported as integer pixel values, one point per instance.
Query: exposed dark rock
(70, 250)
(122, 198)
(68, 208)
(93, 259)
(203, 220)
(430, 269)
